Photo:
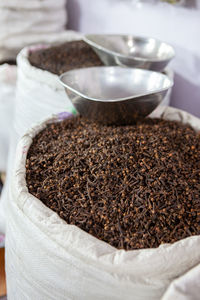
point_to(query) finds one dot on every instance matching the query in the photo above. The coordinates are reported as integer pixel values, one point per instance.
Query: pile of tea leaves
(132, 186)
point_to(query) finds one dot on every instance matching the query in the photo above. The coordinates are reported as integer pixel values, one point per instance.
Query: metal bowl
(115, 95)
(130, 51)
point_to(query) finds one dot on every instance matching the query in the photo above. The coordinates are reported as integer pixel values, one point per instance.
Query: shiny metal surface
(130, 51)
(115, 95)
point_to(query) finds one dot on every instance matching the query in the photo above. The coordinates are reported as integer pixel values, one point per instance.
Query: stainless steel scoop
(115, 95)
(130, 51)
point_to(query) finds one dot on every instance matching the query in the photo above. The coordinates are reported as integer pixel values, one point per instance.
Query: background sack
(26, 22)
(39, 93)
(48, 259)
(8, 75)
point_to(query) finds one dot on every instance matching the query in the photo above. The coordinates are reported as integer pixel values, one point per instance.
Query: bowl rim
(67, 86)
(87, 40)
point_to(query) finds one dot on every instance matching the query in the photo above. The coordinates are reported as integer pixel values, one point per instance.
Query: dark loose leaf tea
(131, 186)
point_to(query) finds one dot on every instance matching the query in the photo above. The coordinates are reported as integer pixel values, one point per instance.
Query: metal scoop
(115, 95)
(130, 51)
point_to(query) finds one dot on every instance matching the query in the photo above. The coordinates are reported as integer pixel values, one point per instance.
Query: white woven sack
(186, 287)
(39, 93)
(166, 101)
(8, 76)
(42, 22)
(47, 259)
(26, 22)
(32, 4)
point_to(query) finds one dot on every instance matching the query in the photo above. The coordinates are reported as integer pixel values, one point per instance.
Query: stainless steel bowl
(130, 51)
(115, 95)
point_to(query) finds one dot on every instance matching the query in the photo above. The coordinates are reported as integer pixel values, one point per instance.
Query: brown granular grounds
(65, 57)
(130, 186)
